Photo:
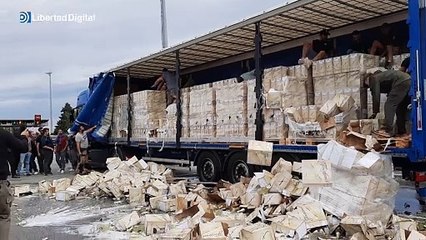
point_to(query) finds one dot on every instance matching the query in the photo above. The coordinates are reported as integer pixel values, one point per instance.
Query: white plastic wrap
(373, 195)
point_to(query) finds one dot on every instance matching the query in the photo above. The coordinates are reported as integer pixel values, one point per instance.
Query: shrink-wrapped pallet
(119, 123)
(272, 78)
(251, 108)
(169, 129)
(202, 121)
(231, 110)
(294, 92)
(362, 62)
(185, 100)
(274, 128)
(148, 116)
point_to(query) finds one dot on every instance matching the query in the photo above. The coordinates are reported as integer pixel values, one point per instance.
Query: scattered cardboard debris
(347, 190)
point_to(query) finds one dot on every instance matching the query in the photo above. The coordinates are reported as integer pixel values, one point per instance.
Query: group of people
(64, 149)
(394, 83)
(29, 145)
(385, 45)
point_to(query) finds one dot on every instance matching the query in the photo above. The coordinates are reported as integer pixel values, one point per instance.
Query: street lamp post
(164, 39)
(50, 99)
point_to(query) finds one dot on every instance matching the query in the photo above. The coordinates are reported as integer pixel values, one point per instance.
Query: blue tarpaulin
(98, 108)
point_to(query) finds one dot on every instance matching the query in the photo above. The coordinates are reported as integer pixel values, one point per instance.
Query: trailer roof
(293, 21)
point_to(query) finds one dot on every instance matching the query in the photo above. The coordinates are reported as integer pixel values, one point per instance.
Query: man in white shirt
(82, 143)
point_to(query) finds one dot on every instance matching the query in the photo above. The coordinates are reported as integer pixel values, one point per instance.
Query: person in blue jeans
(25, 160)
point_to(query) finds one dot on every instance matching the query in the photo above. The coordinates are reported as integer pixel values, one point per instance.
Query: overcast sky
(123, 30)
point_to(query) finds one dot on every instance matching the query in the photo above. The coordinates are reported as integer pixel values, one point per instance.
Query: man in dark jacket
(397, 85)
(17, 145)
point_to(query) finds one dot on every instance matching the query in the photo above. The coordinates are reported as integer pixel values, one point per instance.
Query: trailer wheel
(208, 167)
(237, 167)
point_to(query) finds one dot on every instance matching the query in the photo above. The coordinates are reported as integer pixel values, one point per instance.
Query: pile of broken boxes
(343, 194)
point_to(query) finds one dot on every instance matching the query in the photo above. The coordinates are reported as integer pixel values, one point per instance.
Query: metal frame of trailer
(274, 31)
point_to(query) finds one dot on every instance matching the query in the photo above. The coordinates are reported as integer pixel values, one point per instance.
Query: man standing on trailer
(397, 85)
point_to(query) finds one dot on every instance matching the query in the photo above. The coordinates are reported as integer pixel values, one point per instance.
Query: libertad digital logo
(29, 17)
(25, 17)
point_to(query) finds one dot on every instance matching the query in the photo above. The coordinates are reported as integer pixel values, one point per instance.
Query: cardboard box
(167, 205)
(127, 221)
(43, 186)
(238, 189)
(22, 189)
(65, 196)
(113, 163)
(272, 199)
(282, 166)
(212, 231)
(177, 234)
(253, 199)
(257, 231)
(156, 223)
(280, 181)
(136, 196)
(316, 172)
(259, 153)
(61, 184)
(289, 226)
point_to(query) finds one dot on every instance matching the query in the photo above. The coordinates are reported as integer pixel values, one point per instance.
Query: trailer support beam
(259, 86)
(178, 102)
(129, 109)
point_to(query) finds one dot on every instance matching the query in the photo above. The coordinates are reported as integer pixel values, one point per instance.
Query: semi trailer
(119, 99)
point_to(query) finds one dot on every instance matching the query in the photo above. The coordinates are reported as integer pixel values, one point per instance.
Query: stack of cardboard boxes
(231, 110)
(148, 113)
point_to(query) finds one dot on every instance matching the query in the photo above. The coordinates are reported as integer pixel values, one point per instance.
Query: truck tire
(208, 167)
(237, 167)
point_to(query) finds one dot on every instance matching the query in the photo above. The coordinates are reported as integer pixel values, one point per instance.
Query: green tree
(64, 122)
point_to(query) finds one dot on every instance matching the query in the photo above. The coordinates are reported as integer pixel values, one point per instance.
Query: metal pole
(258, 89)
(50, 100)
(164, 24)
(129, 108)
(178, 104)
